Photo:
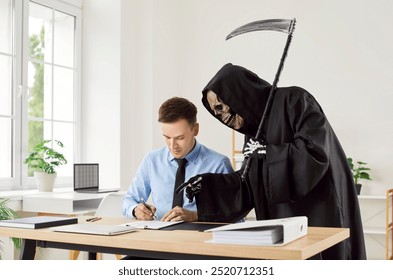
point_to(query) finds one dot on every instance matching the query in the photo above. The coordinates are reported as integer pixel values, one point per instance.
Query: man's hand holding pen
(145, 211)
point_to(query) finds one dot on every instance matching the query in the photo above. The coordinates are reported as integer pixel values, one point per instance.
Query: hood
(243, 91)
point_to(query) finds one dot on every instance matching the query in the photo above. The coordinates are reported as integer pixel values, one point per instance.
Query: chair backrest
(110, 205)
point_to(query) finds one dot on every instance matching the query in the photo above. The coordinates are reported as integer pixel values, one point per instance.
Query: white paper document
(274, 232)
(252, 236)
(97, 229)
(151, 224)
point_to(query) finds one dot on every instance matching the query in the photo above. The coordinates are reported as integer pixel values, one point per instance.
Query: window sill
(16, 196)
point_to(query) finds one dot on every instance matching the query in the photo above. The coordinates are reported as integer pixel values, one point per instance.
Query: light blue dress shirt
(156, 177)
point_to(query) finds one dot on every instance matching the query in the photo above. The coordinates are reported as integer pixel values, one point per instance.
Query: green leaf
(365, 176)
(7, 213)
(358, 171)
(363, 168)
(45, 158)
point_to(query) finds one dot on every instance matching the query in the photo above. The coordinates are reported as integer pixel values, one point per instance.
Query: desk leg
(92, 255)
(27, 250)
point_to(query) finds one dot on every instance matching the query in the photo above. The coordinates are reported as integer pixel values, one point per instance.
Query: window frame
(20, 179)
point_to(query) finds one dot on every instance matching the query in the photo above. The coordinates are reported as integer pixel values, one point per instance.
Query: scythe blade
(281, 25)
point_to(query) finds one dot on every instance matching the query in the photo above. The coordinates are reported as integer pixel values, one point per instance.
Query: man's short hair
(177, 108)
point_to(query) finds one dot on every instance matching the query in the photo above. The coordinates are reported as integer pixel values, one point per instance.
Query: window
(7, 64)
(39, 84)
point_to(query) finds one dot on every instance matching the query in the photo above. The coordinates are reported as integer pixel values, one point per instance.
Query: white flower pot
(45, 181)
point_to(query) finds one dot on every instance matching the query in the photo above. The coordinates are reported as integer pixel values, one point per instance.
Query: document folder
(274, 232)
(37, 222)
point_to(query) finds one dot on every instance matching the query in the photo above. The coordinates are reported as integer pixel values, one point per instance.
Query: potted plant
(43, 159)
(359, 172)
(7, 213)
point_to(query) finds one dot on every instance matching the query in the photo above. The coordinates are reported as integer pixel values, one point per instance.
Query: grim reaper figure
(298, 169)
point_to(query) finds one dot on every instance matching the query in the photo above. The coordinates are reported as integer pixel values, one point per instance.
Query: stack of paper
(250, 236)
(265, 232)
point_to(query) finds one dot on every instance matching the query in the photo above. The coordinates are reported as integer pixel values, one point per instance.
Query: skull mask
(223, 112)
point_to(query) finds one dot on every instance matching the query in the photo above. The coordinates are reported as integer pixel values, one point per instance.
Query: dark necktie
(181, 172)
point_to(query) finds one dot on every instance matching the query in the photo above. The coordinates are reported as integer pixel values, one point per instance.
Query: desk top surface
(189, 242)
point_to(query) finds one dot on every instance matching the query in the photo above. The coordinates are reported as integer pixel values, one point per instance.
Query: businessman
(160, 173)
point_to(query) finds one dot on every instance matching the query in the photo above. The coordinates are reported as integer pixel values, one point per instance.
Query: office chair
(110, 206)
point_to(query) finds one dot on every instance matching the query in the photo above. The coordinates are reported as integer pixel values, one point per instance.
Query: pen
(148, 207)
(93, 219)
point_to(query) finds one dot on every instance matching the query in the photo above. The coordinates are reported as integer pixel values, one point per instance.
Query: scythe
(280, 25)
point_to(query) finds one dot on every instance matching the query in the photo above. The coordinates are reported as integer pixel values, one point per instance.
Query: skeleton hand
(255, 149)
(192, 187)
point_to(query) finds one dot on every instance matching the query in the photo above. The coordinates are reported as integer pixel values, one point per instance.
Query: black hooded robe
(305, 171)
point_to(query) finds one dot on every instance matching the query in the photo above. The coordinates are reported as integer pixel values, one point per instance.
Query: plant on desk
(7, 213)
(359, 172)
(43, 160)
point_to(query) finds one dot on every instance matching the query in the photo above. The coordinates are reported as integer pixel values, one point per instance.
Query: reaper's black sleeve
(223, 198)
(297, 163)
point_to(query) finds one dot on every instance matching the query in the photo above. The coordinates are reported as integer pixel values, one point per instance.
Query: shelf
(373, 212)
(382, 197)
(62, 203)
(374, 230)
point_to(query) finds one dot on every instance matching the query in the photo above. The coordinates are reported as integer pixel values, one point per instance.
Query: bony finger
(182, 187)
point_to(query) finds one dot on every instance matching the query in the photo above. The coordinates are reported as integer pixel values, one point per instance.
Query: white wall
(136, 86)
(101, 77)
(152, 50)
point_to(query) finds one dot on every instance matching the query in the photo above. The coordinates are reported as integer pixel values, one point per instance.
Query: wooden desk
(178, 244)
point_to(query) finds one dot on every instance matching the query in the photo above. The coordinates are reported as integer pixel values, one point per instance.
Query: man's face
(179, 137)
(223, 112)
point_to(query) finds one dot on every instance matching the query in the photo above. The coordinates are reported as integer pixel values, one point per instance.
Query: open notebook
(96, 229)
(150, 224)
